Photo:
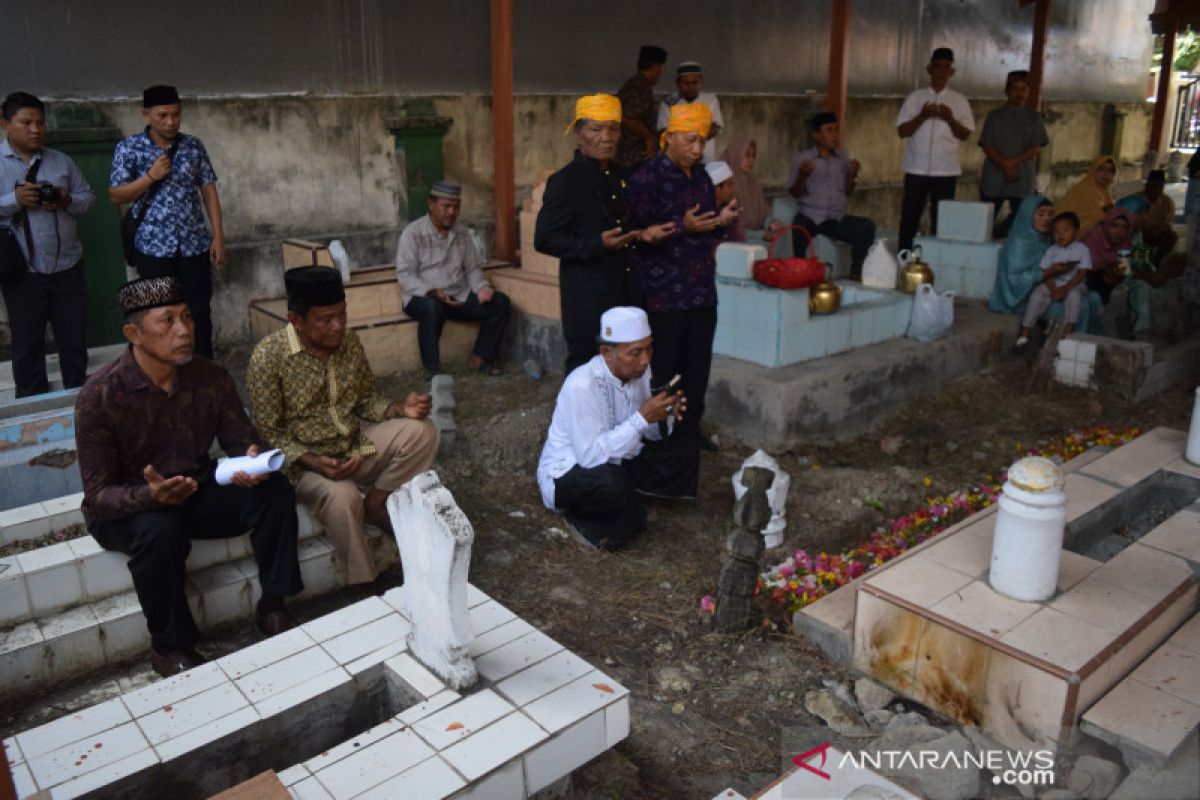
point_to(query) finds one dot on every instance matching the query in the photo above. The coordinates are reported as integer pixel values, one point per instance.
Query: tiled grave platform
(340, 710)
(929, 625)
(29, 428)
(772, 327)
(1127, 369)
(389, 336)
(69, 607)
(844, 394)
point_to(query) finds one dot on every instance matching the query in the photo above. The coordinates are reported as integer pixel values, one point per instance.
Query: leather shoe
(174, 662)
(274, 622)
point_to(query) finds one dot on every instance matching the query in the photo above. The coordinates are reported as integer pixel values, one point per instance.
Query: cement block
(736, 260)
(965, 221)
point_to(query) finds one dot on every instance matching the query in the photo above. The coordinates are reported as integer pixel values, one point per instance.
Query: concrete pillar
(504, 184)
(1170, 27)
(839, 56)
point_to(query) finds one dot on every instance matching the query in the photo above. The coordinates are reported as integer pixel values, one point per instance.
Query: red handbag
(790, 273)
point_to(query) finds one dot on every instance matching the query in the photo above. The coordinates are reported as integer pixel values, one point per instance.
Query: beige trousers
(404, 448)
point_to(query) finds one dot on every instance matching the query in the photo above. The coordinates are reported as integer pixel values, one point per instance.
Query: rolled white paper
(268, 461)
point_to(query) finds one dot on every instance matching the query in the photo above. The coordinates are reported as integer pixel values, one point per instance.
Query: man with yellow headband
(689, 85)
(679, 289)
(584, 223)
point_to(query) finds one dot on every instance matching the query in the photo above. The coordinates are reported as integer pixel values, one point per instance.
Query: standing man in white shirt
(689, 80)
(604, 411)
(934, 120)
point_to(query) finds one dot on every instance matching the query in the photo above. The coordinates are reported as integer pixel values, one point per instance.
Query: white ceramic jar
(1192, 453)
(1027, 541)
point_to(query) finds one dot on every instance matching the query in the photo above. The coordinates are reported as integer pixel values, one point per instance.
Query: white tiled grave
(931, 627)
(340, 709)
(70, 607)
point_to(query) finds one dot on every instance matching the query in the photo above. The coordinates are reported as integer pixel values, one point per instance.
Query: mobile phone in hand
(671, 387)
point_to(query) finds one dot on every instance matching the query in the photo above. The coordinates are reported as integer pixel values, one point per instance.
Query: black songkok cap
(942, 54)
(147, 293)
(649, 54)
(1156, 175)
(159, 96)
(824, 118)
(315, 286)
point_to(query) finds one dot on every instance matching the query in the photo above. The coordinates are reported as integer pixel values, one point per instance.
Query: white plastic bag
(880, 268)
(776, 495)
(337, 251)
(932, 313)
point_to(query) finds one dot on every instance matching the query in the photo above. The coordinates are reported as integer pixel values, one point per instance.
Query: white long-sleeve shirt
(596, 421)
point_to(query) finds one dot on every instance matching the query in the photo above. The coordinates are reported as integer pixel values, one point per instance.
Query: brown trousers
(404, 448)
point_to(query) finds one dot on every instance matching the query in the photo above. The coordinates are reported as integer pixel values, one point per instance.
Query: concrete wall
(1098, 49)
(325, 167)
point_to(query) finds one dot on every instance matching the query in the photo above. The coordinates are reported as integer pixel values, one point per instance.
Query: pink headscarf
(751, 198)
(1104, 252)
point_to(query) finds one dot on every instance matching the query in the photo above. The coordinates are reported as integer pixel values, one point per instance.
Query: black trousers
(919, 190)
(431, 315)
(682, 346)
(602, 503)
(858, 232)
(32, 300)
(195, 279)
(1000, 229)
(586, 292)
(159, 541)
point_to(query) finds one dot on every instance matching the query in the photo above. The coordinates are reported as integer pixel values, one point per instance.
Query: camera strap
(30, 177)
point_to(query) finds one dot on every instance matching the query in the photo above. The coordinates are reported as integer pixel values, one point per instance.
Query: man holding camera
(167, 175)
(41, 193)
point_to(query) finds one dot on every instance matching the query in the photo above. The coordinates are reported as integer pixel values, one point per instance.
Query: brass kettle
(916, 271)
(825, 297)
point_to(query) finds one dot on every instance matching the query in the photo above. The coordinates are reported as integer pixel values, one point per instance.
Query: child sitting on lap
(1064, 268)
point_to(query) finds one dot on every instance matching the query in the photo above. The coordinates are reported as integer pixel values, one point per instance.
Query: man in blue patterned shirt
(166, 175)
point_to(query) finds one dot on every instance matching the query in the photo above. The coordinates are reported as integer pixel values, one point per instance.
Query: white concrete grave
(435, 545)
(341, 707)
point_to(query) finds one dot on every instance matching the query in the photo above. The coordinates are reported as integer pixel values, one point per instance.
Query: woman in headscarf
(740, 154)
(1018, 270)
(1090, 198)
(1113, 234)
(1107, 279)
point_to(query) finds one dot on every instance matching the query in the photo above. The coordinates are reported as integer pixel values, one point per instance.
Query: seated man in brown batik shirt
(144, 425)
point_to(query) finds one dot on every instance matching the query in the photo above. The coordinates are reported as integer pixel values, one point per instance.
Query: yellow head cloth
(688, 118)
(598, 107)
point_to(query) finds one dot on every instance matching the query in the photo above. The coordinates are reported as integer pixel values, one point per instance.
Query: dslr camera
(48, 192)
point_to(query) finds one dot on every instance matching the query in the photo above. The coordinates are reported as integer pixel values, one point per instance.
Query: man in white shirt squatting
(605, 409)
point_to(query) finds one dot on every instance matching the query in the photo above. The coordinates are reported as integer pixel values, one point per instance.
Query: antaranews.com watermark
(1008, 767)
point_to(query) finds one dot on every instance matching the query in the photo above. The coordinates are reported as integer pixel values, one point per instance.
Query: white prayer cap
(624, 324)
(719, 171)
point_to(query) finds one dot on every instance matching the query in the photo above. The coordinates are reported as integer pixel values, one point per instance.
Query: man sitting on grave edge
(144, 425)
(441, 277)
(589, 467)
(309, 384)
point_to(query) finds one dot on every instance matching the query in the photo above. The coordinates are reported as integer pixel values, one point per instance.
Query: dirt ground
(708, 710)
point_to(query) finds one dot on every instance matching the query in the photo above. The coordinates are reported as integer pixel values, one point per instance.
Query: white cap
(624, 324)
(719, 171)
